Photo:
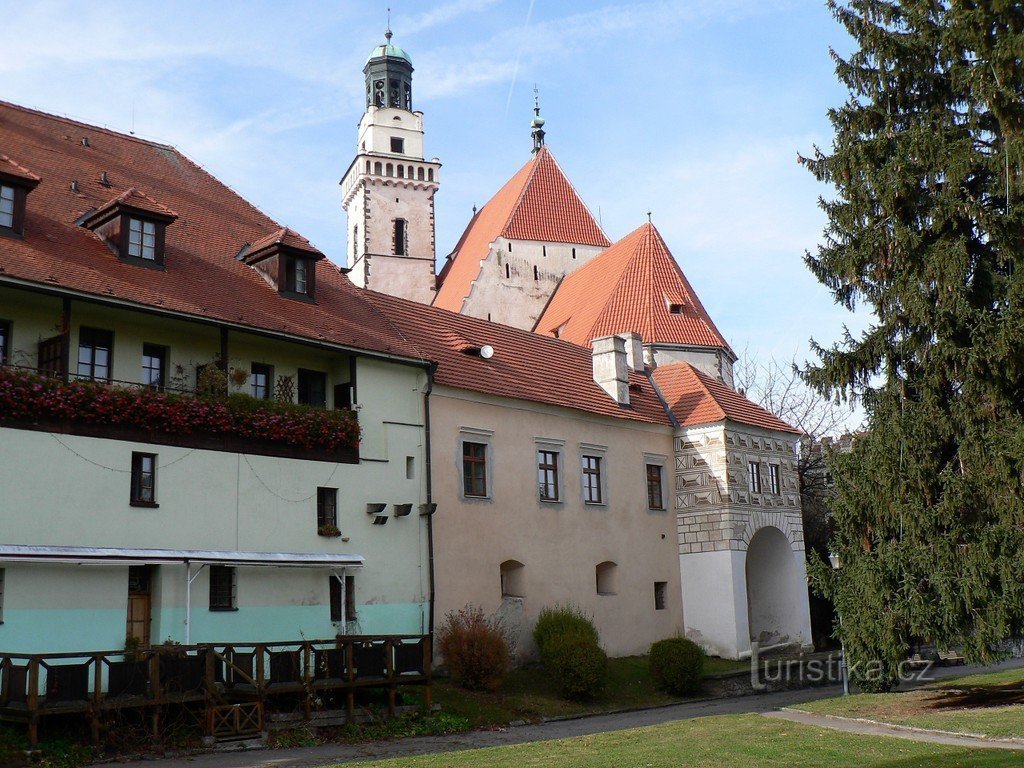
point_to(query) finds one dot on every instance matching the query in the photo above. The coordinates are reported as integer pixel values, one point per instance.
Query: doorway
(140, 604)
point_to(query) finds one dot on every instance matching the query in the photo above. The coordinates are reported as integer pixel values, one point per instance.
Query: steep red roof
(10, 168)
(525, 365)
(202, 276)
(630, 287)
(696, 398)
(538, 203)
(288, 238)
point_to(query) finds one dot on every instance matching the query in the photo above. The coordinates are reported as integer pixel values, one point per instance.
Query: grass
(986, 705)
(529, 694)
(738, 741)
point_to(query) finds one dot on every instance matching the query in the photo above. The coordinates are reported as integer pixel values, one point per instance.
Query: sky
(694, 110)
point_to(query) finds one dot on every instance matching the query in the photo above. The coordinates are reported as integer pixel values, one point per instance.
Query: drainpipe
(430, 518)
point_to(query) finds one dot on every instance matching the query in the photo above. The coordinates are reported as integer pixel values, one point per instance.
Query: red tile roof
(202, 277)
(525, 365)
(135, 199)
(627, 288)
(288, 238)
(538, 203)
(10, 168)
(696, 398)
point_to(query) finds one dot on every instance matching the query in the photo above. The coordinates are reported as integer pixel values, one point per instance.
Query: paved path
(871, 728)
(324, 754)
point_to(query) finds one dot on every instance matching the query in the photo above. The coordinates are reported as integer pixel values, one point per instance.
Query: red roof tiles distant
(538, 203)
(202, 277)
(696, 398)
(525, 365)
(134, 199)
(630, 287)
(288, 238)
(10, 168)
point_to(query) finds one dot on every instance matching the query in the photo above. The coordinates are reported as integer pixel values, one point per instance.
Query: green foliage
(577, 664)
(925, 228)
(474, 648)
(677, 665)
(562, 619)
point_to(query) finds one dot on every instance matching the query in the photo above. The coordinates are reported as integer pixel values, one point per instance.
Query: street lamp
(833, 558)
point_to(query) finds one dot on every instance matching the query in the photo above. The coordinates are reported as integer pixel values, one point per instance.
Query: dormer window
(15, 184)
(6, 206)
(675, 309)
(287, 261)
(133, 225)
(297, 273)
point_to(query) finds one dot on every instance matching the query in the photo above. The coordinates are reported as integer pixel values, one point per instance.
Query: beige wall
(559, 544)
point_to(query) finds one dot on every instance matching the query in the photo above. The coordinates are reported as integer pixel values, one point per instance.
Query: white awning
(22, 553)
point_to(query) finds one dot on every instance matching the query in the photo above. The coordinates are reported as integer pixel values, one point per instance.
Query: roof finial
(537, 124)
(387, 34)
(648, 217)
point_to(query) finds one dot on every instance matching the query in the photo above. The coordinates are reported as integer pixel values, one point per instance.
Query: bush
(475, 649)
(562, 620)
(577, 664)
(677, 666)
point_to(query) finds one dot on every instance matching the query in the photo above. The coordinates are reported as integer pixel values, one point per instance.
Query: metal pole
(842, 662)
(188, 603)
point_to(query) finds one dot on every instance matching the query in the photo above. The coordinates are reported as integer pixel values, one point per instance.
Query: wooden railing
(219, 674)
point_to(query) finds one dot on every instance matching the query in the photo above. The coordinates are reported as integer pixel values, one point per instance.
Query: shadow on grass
(978, 697)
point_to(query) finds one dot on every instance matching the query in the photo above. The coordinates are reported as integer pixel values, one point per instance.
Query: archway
(774, 589)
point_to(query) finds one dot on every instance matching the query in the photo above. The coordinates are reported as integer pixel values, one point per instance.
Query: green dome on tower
(388, 51)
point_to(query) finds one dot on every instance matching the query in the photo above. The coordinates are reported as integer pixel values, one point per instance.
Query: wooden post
(307, 703)
(389, 659)
(350, 694)
(33, 702)
(428, 655)
(155, 691)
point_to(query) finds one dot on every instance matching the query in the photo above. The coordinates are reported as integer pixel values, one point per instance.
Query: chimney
(610, 369)
(634, 350)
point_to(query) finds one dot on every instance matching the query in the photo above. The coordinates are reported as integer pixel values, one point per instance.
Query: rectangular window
(592, 479)
(6, 207)
(400, 236)
(335, 590)
(754, 479)
(474, 469)
(326, 507)
(655, 498)
(298, 275)
(223, 588)
(313, 388)
(261, 381)
(5, 342)
(142, 239)
(773, 479)
(547, 475)
(659, 595)
(397, 145)
(94, 353)
(350, 598)
(154, 366)
(143, 479)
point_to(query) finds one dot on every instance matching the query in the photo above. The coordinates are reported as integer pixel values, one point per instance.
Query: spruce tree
(926, 230)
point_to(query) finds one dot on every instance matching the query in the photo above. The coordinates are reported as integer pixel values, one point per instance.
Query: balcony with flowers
(208, 419)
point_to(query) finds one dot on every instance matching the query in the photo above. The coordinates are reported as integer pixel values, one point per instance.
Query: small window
(547, 475)
(675, 309)
(378, 169)
(223, 588)
(754, 479)
(336, 598)
(544, 251)
(326, 507)
(592, 480)
(154, 366)
(659, 595)
(313, 388)
(430, 174)
(401, 171)
(5, 342)
(143, 479)
(142, 239)
(261, 381)
(355, 240)
(94, 353)
(605, 573)
(536, 274)
(474, 469)
(397, 145)
(773, 479)
(298, 277)
(513, 575)
(7, 206)
(510, 247)
(419, 174)
(410, 467)
(574, 253)
(655, 498)
(508, 272)
(350, 598)
(389, 169)
(401, 235)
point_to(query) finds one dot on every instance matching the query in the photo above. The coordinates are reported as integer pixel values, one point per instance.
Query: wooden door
(140, 607)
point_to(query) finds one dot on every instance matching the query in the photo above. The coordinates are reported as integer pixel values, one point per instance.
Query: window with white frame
(142, 239)
(773, 479)
(475, 462)
(592, 493)
(547, 474)
(754, 477)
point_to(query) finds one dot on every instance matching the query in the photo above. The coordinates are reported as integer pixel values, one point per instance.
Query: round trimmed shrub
(474, 648)
(577, 664)
(677, 666)
(563, 620)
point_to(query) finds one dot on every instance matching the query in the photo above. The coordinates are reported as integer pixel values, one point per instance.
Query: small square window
(474, 469)
(143, 479)
(659, 595)
(397, 145)
(547, 474)
(773, 479)
(675, 309)
(154, 366)
(326, 507)
(592, 480)
(223, 588)
(655, 495)
(754, 477)
(5, 342)
(261, 381)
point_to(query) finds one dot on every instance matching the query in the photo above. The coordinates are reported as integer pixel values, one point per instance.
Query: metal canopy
(22, 553)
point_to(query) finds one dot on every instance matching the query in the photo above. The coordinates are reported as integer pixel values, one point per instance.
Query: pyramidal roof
(634, 286)
(538, 203)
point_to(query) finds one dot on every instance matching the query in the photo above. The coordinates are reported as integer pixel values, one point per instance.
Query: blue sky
(694, 109)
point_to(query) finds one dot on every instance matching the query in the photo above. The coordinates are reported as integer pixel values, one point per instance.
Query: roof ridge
(82, 124)
(535, 162)
(576, 192)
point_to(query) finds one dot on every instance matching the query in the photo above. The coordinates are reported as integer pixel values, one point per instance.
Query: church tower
(388, 191)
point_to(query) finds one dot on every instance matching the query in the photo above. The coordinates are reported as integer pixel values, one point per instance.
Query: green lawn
(737, 741)
(530, 695)
(975, 704)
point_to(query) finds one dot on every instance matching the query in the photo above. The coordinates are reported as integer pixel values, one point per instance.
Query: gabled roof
(11, 169)
(133, 199)
(287, 238)
(696, 398)
(525, 365)
(630, 287)
(538, 203)
(202, 279)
